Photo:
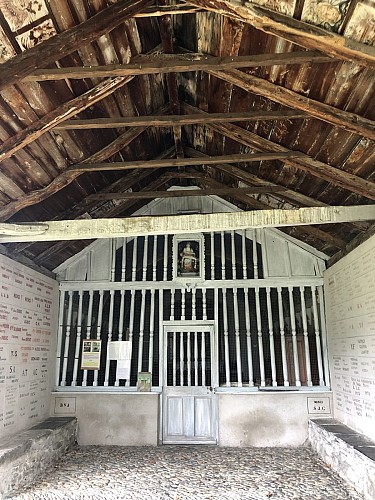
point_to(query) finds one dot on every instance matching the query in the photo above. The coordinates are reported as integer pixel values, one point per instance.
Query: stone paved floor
(189, 472)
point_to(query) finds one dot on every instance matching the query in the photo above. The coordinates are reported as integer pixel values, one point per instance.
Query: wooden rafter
(293, 30)
(304, 162)
(177, 224)
(68, 41)
(172, 120)
(167, 10)
(344, 119)
(176, 63)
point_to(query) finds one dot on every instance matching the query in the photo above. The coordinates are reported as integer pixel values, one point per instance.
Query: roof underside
(301, 114)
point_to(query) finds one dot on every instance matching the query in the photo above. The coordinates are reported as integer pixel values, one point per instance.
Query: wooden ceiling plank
(176, 63)
(293, 30)
(68, 41)
(172, 120)
(304, 162)
(58, 115)
(335, 116)
(179, 224)
(179, 162)
(167, 10)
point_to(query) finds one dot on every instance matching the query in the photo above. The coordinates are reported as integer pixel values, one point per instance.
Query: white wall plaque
(319, 405)
(65, 405)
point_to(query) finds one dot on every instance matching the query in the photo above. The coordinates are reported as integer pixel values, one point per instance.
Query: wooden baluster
(196, 358)
(165, 263)
(113, 265)
(78, 338)
(260, 339)
(174, 334)
(152, 329)
(282, 336)
(59, 337)
(294, 336)
(154, 258)
(233, 252)
(317, 337)
(134, 260)
(226, 341)
(244, 256)
(173, 291)
(145, 259)
(69, 320)
(188, 360)
(181, 359)
(123, 260)
(203, 351)
(212, 256)
(120, 325)
(222, 255)
(324, 334)
(183, 303)
(272, 340)
(237, 336)
(305, 336)
(161, 336)
(248, 339)
(255, 253)
(110, 330)
(193, 304)
(131, 325)
(204, 304)
(88, 330)
(141, 330)
(99, 329)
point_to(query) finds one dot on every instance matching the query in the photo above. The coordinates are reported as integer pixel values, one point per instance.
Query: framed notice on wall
(91, 350)
(188, 257)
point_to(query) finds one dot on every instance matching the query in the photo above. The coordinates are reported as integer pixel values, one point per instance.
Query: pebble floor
(189, 472)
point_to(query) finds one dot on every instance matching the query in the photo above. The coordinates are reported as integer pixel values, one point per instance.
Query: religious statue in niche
(188, 256)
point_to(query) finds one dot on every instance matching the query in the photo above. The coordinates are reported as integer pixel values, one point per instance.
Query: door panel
(189, 403)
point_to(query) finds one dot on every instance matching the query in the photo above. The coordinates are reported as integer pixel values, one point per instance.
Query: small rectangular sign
(319, 405)
(91, 350)
(64, 405)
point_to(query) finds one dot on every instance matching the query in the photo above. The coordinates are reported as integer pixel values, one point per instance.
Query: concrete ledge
(350, 454)
(27, 453)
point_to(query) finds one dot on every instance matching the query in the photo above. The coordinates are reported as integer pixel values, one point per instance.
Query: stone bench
(350, 454)
(27, 453)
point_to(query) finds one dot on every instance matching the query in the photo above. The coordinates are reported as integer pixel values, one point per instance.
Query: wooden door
(190, 377)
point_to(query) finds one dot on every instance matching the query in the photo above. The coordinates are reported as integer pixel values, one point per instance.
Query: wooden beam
(68, 41)
(343, 119)
(167, 10)
(293, 30)
(177, 224)
(180, 162)
(172, 120)
(358, 240)
(178, 193)
(304, 162)
(58, 115)
(177, 63)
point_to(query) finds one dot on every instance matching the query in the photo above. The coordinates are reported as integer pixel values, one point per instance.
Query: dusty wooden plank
(344, 119)
(180, 162)
(58, 115)
(176, 63)
(167, 10)
(314, 167)
(177, 224)
(293, 30)
(171, 120)
(68, 41)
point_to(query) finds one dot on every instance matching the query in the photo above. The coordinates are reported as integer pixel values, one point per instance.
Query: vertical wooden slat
(272, 340)
(113, 266)
(244, 256)
(123, 259)
(255, 253)
(145, 258)
(120, 324)
(99, 329)
(110, 330)
(237, 336)
(324, 334)
(67, 337)
(195, 358)
(174, 364)
(233, 252)
(226, 341)
(204, 304)
(59, 337)
(294, 336)
(134, 260)
(154, 257)
(212, 256)
(161, 335)
(260, 338)
(305, 336)
(131, 325)
(188, 358)
(78, 338)
(88, 330)
(222, 234)
(141, 330)
(181, 359)
(165, 262)
(152, 328)
(317, 337)
(248, 339)
(203, 351)
(173, 291)
(282, 336)
(193, 304)
(182, 304)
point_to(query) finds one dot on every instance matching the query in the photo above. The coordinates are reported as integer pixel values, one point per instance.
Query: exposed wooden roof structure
(104, 105)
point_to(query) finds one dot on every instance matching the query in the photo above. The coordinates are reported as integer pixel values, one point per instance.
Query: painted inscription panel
(350, 297)
(28, 307)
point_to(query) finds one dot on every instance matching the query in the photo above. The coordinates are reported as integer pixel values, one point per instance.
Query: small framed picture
(91, 350)
(188, 256)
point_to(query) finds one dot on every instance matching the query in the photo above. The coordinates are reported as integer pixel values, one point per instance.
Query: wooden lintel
(178, 193)
(293, 30)
(177, 63)
(335, 116)
(173, 120)
(181, 162)
(178, 224)
(68, 41)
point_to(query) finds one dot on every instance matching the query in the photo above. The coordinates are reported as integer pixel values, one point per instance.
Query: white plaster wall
(123, 419)
(28, 325)
(269, 419)
(350, 305)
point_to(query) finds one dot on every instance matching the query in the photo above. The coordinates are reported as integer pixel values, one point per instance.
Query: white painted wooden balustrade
(270, 330)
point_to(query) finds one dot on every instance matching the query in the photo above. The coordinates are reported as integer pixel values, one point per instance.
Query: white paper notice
(123, 369)
(120, 349)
